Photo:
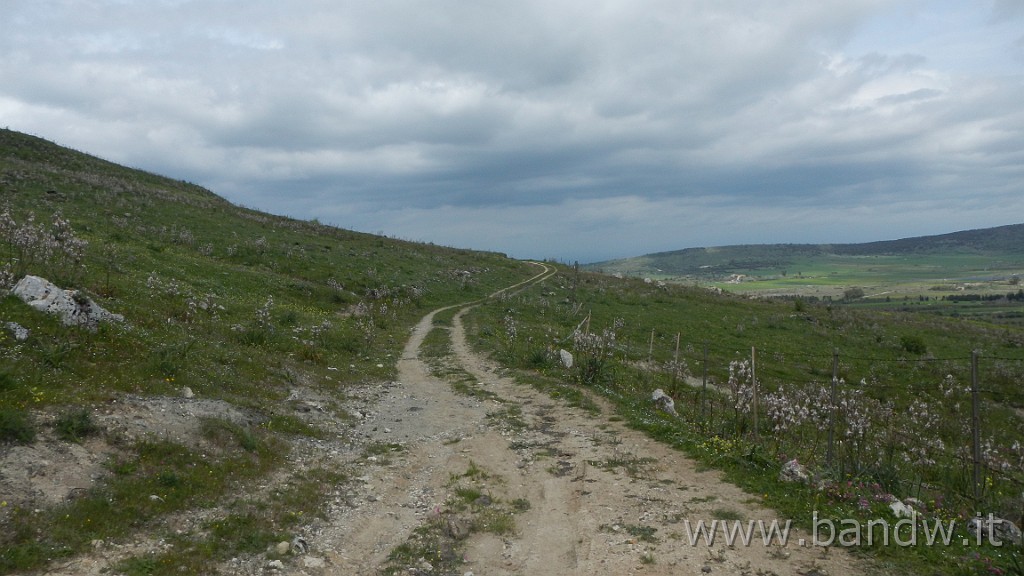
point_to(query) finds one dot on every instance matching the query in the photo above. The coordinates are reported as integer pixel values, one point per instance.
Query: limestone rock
(458, 528)
(996, 528)
(73, 307)
(566, 358)
(794, 471)
(19, 332)
(664, 401)
(901, 510)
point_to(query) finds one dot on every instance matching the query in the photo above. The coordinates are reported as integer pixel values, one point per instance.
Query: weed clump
(16, 426)
(75, 425)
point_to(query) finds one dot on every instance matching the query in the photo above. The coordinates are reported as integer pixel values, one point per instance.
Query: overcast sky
(576, 130)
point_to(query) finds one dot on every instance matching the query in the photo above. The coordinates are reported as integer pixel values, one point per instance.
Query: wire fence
(941, 429)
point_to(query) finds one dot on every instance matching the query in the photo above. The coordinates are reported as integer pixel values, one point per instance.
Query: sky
(575, 130)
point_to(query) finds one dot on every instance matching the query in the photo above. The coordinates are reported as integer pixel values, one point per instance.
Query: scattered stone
(426, 566)
(282, 547)
(664, 402)
(186, 392)
(997, 529)
(299, 545)
(901, 510)
(313, 562)
(73, 307)
(458, 528)
(566, 358)
(794, 471)
(19, 332)
(275, 565)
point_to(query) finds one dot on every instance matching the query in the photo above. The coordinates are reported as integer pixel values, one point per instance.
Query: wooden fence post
(704, 385)
(975, 428)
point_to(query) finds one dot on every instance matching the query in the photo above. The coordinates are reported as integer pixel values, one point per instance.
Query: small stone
(901, 510)
(282, 547)
(794, 471)
(186, 392)
(313, 562)
(19, 332)
(566, 357)
(664, 402)
(426, 566)
(275, 565)
(458, 528)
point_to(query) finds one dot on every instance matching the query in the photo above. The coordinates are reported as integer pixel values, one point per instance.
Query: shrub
(16, 426)
(913, 344)
(74, 425)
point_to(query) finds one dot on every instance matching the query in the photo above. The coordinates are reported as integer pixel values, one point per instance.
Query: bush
(75, 425)
(913, 344)
(16, 426)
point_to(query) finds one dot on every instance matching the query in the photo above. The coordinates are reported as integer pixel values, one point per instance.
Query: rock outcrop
(73, 307)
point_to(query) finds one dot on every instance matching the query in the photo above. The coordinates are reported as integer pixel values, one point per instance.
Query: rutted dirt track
(603, 499)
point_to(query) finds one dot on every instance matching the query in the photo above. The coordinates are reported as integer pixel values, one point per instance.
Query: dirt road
(586, 494)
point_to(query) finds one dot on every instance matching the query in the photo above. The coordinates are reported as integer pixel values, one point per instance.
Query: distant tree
(853, 293)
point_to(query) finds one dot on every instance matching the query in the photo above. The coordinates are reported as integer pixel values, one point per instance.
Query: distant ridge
(720, 259)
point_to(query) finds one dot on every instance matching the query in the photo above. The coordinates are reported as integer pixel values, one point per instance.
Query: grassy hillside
(963, 273)
(193, 273)
(237, 305)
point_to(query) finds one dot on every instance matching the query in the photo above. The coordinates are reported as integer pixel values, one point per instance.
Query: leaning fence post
(975, 427)
(832, 409)
(753, 385)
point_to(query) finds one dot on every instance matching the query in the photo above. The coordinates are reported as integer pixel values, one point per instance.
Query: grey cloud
(384, 113)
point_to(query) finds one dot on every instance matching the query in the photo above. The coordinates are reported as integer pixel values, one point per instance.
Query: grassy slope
(191, 273)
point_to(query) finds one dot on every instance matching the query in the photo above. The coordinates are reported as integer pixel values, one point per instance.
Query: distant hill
(724, 261)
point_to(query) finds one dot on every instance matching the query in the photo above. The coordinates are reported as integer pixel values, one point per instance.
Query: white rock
(187, 392)
(313, 562)
(664, 401)
(19, 332)
(1000, 529)
(901, 510)
(73, 307)
(794, 471)
(566, 357)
